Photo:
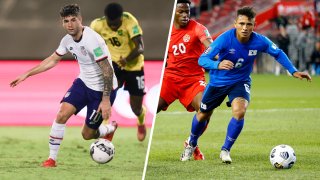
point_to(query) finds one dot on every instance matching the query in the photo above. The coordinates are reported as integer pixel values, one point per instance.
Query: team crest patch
(83, 50)
(135, 29)
(98, 52)
(186, 38)
(120, 32)
(253, 52)
(207, 33)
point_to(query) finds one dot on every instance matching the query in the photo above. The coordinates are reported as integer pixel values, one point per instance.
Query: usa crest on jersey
(83, 50)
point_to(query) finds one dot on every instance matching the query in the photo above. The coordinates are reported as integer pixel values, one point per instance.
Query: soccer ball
(282, 157)
(102, 151)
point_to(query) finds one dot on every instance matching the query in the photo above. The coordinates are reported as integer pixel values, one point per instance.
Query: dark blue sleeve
(207, 59)
(279, 55)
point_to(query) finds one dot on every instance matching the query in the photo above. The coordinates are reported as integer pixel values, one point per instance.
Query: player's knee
(86, 136)
(239, 113)
(203, 116)
(62, 117)
(161, 105)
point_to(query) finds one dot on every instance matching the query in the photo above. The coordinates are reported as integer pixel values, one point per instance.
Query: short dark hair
(70, 10)
(247, 11)
(113, 11)
(184, 1)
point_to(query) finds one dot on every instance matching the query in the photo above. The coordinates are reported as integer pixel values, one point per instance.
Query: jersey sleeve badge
(98, 51)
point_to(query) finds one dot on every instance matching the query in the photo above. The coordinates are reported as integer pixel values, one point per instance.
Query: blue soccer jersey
(242, 55)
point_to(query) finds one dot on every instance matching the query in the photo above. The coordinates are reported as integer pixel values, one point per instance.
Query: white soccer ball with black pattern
(102, 151)
(282, 157)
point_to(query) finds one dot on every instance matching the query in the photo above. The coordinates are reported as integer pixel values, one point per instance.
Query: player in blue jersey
(230, 76)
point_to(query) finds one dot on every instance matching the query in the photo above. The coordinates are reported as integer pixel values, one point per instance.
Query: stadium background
(300, 19)
(31, 30)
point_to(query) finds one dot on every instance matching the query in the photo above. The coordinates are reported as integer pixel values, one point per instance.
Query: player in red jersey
(183, 78)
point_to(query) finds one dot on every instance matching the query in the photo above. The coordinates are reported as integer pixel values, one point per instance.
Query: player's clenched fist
(226, 65)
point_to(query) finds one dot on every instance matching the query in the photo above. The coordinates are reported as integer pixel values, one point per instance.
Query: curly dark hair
(70, 10)
(247, 11)
(113, 11)
(184, 1)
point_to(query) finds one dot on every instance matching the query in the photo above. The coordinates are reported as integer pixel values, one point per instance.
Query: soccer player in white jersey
(93, 88)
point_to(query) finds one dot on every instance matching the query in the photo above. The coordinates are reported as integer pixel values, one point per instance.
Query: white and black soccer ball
(282, 157)
(102, 151)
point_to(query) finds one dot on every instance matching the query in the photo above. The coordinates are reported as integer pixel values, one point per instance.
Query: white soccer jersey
(90, 49)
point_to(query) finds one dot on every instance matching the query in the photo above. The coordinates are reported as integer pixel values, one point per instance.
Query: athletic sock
(197, 129)
(55, 138)
(233, 131)
(142, 116)
(105, 129)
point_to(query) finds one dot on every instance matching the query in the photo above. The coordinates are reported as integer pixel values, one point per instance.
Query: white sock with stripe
(105, 129)
(55, 138)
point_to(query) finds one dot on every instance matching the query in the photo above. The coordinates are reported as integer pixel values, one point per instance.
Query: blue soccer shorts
(214, 96)
(79, 95)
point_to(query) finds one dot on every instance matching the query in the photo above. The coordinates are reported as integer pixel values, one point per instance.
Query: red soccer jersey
(184, 50)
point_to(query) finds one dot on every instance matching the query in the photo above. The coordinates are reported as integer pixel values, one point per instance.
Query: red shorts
(182, 88)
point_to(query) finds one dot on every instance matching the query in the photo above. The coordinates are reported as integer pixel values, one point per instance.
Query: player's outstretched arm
(105, 105)
(45, 65)
(302, 75)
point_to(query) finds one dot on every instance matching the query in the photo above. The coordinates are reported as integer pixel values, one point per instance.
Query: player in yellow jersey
(123, 35)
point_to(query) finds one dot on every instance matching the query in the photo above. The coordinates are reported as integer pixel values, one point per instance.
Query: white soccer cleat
(187, 153)
(225, 156)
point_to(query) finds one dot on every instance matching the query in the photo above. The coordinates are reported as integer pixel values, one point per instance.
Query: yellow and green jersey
(120, 42)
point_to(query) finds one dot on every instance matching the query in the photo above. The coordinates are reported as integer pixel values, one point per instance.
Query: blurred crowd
(299, 38)
(298, 35)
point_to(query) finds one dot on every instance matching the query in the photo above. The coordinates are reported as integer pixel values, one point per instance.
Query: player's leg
(211, 99)
(197, 154)
(168, 93)
(71, 103)
(134, 83)
(191, 144)
(140, 111)
(191, 98)
(93, 128)
(239, 97)
(162, 104)
(57, 132)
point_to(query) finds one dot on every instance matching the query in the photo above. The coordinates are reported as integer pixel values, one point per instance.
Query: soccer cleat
(225, 156)
(187, 153)
(49, 163)
(109, 136)
(197, 154)
(142, 132)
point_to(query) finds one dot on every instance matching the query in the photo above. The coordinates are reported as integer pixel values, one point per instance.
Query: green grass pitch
(22, 149)
(283, 110)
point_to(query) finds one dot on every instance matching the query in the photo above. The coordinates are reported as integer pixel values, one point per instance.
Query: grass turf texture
(283, 110)
(24, 148)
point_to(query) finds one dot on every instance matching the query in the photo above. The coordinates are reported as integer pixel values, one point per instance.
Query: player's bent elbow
(201, 61)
